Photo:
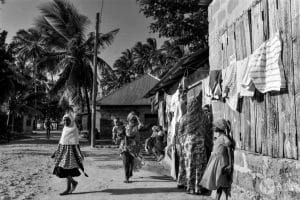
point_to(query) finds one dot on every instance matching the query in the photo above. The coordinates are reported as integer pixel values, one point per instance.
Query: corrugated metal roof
(131, 93)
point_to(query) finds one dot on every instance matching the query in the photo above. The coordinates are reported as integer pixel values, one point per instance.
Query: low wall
(263, 177)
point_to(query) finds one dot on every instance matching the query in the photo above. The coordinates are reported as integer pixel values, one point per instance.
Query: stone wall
(263, 177)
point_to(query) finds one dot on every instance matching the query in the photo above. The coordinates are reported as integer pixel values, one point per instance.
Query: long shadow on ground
(140, 190)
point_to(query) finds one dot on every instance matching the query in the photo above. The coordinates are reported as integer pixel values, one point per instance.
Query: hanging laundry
(229, 87)
(215, 78)
(242, 74)
(256, 60)
(206, 91)
(268, 74)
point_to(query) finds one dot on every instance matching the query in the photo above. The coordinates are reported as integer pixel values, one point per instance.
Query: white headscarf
(70, 134)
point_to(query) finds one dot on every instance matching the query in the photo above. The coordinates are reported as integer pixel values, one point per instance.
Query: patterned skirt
(181, 180)
(195, 162)
(68, 160)
(131, 146)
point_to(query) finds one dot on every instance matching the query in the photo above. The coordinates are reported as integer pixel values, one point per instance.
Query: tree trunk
(12, 123)
(81, 99)
(89, 119)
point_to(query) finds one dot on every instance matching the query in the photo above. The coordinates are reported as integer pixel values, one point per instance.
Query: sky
(123, 14)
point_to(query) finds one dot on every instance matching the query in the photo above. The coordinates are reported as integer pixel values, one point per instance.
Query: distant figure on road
(48, 128)
(68, 156)
(118, 131)
(130, 145)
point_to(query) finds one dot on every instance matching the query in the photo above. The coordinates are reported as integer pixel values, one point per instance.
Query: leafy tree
(183, 21)
(7, 76)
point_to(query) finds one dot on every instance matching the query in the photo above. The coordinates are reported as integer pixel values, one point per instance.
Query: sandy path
(25, 173)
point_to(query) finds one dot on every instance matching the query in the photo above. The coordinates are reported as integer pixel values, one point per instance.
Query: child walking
(218, 173)
(68, 157)
(118, 131)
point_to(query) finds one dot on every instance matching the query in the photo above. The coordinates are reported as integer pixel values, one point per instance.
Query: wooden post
(95, 82)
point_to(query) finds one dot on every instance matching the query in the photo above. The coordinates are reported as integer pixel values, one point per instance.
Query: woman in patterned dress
(68, 157)
(179, 139)
(194, 146)
(130, 145)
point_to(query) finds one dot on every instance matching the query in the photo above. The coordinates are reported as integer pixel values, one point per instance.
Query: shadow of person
(140, 190)
(87, 192)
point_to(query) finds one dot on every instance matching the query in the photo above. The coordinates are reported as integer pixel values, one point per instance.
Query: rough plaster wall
(222, 13)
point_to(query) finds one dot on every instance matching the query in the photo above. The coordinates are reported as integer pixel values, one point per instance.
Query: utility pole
(94, 111)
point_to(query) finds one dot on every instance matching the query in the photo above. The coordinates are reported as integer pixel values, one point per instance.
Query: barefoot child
(218, 173)
(155, 144)
(68, 157)
(118, 131)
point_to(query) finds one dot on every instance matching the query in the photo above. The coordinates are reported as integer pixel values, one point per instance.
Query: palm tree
(29, 45)
(64, 30)
(7, 85)
(146, 56)
(124, 67)
(170, 54)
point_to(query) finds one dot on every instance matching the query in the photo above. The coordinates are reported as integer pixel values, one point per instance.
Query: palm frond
(63, 18)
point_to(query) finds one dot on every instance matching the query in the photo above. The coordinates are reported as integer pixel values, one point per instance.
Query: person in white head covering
(68, 157)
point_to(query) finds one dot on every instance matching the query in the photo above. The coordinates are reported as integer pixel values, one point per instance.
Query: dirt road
(26, 173)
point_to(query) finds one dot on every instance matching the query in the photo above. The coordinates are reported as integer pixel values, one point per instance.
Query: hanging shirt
(256, 61)
(215, 78)
(206, 91)
(268, 76)
(229, 89)
(242, 74)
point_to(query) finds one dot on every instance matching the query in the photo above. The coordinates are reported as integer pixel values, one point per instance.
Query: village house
(122, 101)
(193, 69)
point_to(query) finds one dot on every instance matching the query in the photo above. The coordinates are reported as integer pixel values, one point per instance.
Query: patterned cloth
(131, 142)
(68, 156)
(194, 146)
(195, 161)
(180, 139)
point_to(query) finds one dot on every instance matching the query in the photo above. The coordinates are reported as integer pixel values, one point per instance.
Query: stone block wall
(263, 177)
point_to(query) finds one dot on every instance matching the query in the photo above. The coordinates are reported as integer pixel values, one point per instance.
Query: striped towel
(242, 74)
(266, 71)
(256, 60)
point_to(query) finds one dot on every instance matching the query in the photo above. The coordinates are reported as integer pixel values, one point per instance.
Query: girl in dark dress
(68, 157)
(130, 145)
